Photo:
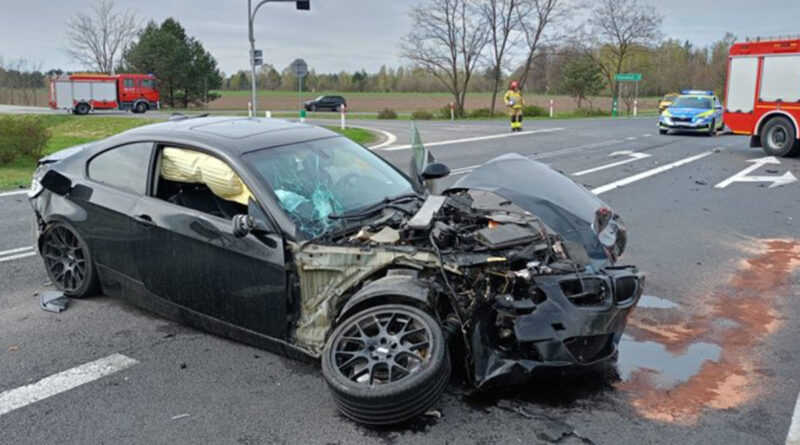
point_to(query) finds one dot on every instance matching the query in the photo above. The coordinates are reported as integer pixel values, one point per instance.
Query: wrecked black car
(294, 239)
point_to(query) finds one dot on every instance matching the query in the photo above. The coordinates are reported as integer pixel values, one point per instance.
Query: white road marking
(473, 139)
(632, 156)
(651, 172)
(17, 250)
(631, 138)
(14, 193)
(646, 135)
(16, 257)
(63, 381)
(390, 138)
(793, 438)
(549, 154)
(777, 181)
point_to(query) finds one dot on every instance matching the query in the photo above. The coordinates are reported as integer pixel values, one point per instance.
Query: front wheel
(68, 261)
(662, 131)
(140, 107)
(778, 138)
(386, 364)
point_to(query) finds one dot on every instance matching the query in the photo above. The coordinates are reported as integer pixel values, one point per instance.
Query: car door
(193, 259)
(117, 179)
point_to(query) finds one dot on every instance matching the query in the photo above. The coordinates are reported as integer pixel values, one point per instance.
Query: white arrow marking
(634, 156)
(777, 181)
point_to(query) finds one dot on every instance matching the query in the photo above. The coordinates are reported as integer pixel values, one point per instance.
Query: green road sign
(628, 77)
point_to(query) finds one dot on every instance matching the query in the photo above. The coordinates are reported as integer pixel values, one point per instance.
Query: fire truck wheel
(82, 108)
(140, 107)
(778, 138)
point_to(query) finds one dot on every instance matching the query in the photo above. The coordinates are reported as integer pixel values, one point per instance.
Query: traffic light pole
(251, 15)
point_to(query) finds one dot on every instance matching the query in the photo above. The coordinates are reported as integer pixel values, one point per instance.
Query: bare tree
(619, 31)
(96, 39)
(447, 40)
(535, 17)
(502, 19)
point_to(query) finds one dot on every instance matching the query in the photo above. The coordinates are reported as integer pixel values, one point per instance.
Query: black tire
(662, 131)
(140, 107)
(82, 109)
(778, 138)
(68, 262)
(386, 398)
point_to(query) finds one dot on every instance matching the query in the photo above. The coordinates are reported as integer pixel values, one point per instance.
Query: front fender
(398, 286)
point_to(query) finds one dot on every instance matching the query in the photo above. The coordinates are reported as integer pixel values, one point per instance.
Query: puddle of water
(651, 301)
(664, 368)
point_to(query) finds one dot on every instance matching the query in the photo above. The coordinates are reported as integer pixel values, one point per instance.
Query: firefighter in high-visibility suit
(514, 102)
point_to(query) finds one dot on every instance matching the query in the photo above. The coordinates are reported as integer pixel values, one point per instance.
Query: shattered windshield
(315, 179)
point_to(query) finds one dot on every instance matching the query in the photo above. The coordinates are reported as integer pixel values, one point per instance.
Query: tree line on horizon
(456, 46)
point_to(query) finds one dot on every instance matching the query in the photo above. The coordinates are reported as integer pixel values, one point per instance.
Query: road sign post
(300, 70)
(626, 77)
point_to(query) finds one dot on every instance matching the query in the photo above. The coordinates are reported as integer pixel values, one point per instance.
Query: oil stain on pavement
(676, 363)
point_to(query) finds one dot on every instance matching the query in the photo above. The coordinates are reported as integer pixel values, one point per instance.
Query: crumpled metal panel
(327, 273)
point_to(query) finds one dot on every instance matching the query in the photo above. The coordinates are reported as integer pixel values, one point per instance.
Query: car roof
(235, 135)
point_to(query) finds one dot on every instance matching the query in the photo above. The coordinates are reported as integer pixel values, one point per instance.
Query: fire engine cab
(82, 93)
(762, 97)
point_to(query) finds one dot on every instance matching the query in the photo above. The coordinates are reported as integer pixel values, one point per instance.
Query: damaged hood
(561, 203)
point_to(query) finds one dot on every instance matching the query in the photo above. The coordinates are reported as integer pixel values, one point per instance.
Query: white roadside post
(551, 108)
(636, 99)
(249, 109)
(268, 114)
(343, 110)
(452, 112)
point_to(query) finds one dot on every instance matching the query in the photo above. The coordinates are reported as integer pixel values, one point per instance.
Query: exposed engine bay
(519, 291)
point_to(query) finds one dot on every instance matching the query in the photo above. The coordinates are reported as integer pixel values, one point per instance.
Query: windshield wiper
(377, 207)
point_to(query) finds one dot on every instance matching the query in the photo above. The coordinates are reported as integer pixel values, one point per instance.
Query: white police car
(696, 111)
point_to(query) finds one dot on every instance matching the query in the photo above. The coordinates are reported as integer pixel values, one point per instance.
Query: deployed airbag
(181, 165)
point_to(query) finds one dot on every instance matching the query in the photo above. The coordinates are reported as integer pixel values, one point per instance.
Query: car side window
(199, 181)
(124, 167)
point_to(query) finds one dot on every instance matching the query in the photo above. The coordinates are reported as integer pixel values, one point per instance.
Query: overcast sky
(338, 34)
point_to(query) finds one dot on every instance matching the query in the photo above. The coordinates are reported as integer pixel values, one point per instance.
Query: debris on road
(53, 301)
(180, 416)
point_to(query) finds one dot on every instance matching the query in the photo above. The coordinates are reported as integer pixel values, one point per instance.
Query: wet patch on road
(676, 362)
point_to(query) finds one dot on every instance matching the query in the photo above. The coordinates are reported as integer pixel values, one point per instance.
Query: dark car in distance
(292, 238)
(322, 103)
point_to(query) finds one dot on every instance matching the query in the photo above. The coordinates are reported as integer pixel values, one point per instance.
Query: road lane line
(18, 250)
(549, 154)
(652, 172)
(16, 257)
(390, 137)
(646, 135)
(473, 139)
(17, 192)
(633, 156)
(793, 438)
(63, 381)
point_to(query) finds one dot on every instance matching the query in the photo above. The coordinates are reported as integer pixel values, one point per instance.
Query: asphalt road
(711, 355)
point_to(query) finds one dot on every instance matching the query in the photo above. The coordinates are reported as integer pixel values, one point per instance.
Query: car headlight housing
(36, 185)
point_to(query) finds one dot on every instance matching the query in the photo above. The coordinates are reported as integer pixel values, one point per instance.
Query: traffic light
(304, 5)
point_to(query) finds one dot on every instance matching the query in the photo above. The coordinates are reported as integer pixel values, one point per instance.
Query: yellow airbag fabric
(181, 165)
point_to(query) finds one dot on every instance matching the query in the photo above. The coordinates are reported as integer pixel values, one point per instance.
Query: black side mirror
(56, 183)
(435, 170)
(243, 225)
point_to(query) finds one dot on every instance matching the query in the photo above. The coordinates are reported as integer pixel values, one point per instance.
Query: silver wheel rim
(64, 258)
(777, 137)
(382, 347)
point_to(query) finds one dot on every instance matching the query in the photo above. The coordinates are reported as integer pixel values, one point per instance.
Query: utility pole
(255, 56)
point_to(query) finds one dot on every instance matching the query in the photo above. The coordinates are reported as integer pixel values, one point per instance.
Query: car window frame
(150, 161)
(153, 179)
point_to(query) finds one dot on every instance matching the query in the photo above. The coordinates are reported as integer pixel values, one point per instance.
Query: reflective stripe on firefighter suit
(514, 102)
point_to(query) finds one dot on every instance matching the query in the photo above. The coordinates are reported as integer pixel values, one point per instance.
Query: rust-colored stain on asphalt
(733, 322)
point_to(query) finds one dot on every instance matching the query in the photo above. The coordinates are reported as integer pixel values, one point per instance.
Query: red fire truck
(81, 93)
(762, 97)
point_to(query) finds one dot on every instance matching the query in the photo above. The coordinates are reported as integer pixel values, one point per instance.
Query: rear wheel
(68, 261)
(778, 138)
(82, 109)
(386, 364)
